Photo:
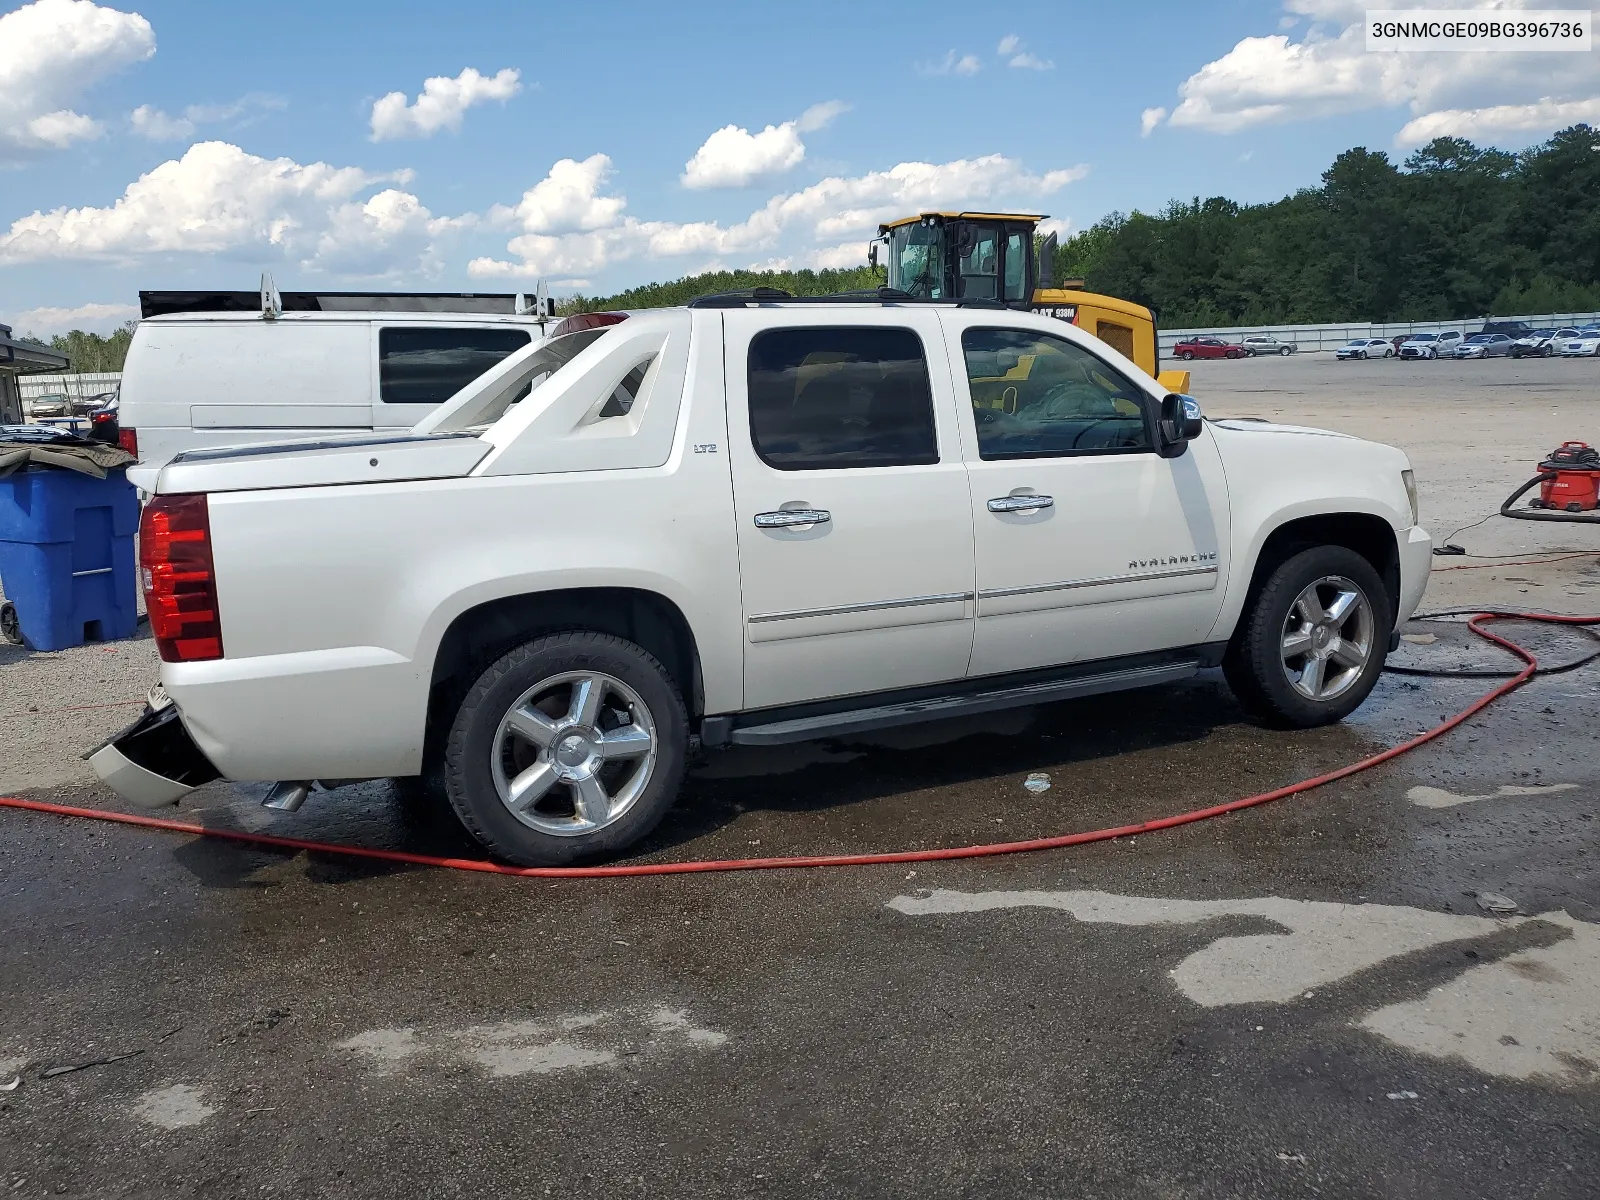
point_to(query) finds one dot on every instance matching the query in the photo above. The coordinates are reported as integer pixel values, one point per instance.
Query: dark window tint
(852, 397)
(620, 402)
(1034, 395)
(428, 365)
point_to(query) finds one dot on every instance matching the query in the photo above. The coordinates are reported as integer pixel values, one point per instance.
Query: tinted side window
(840, 397)
(1034, 395)
(428, 365)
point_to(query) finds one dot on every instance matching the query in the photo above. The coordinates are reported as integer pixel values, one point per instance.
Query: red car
(1207, 347)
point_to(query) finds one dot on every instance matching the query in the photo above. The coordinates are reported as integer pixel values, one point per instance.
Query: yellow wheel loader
(990, 256)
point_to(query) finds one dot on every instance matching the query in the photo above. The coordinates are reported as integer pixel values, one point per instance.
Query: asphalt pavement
(1386, 987)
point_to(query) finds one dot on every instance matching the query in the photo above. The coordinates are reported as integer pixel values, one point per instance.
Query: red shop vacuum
(1569, 487)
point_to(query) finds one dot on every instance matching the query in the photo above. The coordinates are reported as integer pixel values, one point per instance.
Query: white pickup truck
(753, 520)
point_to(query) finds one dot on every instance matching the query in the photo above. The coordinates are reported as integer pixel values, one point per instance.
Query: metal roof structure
(22, 358)
(25, 358)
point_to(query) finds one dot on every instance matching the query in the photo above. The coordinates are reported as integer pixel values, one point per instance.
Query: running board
(856, 720)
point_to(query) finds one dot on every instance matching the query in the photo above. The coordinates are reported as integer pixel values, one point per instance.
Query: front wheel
(570, 748)
(1310, 648)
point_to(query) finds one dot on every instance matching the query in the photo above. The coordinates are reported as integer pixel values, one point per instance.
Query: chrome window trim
(840, 610)
(1101, 581)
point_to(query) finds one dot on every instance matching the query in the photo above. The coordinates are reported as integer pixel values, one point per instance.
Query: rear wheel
(570, 748)
(1186, 355)
(1311, 647)
(1283, 352)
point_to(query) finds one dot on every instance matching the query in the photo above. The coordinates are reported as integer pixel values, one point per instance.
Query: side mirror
(872, 256)
(1181, 421)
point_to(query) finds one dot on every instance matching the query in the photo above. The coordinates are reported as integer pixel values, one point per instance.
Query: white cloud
(51, 53)
(156, 125)
(219, 200)
(150, 122)
(1149, 119)
(1500, 120)
(951, 64)
(441, 104)
(92, 318)
(1013, 50)
(833, 214)
(735, 157)
(820, 116)
(1329, 70)
(566, 199)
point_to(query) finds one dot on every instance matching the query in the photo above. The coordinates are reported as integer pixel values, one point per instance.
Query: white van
(198, 379)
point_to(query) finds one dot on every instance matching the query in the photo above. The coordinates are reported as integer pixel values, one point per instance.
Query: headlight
(1409, 478)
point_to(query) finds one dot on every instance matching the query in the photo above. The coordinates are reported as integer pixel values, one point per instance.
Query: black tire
(469, 777)
(10, 624)
(1283, 352)
(1255, 666)
(1186, 355)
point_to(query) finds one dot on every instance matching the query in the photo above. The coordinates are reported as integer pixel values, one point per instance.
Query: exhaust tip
(287, 796)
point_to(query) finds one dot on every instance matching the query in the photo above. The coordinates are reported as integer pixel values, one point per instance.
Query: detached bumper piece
(154, 761)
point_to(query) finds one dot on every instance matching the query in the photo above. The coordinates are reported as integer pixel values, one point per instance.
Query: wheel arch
(480, 634)
(1367, 534)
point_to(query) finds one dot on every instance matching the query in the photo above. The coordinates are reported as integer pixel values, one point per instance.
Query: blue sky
(169, 144)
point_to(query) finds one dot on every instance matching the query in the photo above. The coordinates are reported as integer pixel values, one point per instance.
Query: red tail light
(180, 585)
(128, 439)
(581, 321)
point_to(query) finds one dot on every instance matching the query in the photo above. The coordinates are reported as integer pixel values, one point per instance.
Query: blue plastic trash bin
(66, 555)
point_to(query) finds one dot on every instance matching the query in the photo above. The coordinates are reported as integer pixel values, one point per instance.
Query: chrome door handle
(1003, 504)
(785, 517)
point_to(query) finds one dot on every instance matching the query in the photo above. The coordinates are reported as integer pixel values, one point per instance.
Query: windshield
(1357, 342)
(1424, 337)
(1542, 333)
(1481, 337)
(916, 258)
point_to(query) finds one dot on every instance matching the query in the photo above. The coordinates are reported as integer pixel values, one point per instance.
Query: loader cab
(990, 257)
(963, 256)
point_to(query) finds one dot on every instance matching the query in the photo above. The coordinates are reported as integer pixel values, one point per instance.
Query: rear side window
(825, 397)
(428, 365)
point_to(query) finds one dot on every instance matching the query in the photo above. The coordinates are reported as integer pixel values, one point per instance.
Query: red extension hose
(1530, 667)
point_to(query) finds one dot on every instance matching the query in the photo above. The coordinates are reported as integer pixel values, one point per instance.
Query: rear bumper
(154, 761)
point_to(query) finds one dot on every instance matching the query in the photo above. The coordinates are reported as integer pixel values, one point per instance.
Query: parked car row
(1497, 339)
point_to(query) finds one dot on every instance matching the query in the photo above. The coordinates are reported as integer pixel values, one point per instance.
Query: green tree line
(1453, 231)
(681, 291)
(89, 352)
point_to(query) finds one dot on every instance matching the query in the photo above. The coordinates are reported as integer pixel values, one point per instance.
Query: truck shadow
(957, 781)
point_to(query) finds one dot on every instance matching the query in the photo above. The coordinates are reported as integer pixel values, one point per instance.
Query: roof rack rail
(163, 303)
(882, 295)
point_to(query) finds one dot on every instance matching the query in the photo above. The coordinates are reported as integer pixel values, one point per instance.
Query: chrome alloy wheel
(574, 753)
(1327, 638)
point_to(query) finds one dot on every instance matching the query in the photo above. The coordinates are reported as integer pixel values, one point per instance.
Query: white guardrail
(1307, 338)
(74, 386)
